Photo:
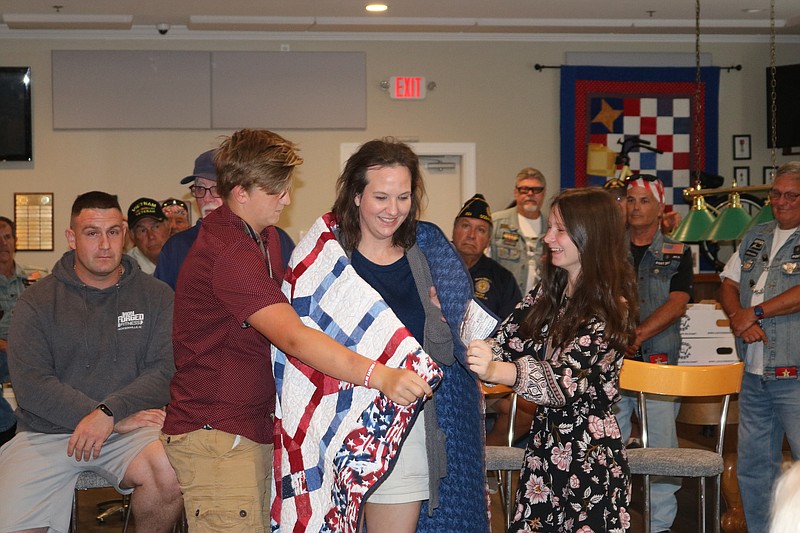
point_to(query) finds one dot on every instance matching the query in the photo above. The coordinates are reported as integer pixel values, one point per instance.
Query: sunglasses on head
(172, 202)
(645, 177)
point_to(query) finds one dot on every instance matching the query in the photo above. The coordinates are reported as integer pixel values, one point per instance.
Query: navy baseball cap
(203, 168)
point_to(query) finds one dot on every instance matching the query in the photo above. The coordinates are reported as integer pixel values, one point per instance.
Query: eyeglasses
(198, 191)
(530, 190)
(790, 196)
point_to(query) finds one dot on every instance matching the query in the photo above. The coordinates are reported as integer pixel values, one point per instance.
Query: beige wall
(487, 93)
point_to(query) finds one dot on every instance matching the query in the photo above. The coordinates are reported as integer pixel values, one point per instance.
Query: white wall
(487, 93)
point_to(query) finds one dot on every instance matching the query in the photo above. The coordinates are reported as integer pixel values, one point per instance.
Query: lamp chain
(697, 103)
(773, 107)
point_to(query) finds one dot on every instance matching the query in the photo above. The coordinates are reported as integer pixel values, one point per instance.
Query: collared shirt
(147, 266)
(10, 290)
(224, 376)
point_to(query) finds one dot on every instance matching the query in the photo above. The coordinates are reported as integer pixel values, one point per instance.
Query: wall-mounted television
(15, 114)
(787, 106)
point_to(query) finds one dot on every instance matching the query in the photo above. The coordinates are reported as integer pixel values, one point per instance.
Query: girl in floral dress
(562, 349)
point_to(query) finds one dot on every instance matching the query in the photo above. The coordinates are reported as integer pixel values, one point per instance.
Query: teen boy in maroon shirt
(228, 310)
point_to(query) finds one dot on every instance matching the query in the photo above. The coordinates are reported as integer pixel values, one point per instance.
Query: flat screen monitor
(787, 106)
(15, 114)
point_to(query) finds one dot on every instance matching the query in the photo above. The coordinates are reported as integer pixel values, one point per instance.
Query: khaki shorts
(225, 480)
(37, 478)
(408, 480)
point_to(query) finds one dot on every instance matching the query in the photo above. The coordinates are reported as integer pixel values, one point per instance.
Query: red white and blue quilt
(335, 440)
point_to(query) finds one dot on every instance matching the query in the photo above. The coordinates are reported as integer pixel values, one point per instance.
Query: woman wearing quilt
(562, 349)
(437, 482)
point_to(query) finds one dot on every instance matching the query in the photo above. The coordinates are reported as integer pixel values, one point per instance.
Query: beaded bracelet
(369, 373)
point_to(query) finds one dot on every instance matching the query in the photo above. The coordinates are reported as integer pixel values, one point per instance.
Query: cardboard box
(704, 320)
(716, 350)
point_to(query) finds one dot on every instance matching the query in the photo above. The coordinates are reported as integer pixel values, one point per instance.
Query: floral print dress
(575, 477)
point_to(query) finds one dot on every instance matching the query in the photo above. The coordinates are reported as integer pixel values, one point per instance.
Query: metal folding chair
(681, 381)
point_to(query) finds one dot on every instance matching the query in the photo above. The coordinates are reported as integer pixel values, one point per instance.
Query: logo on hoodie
(130, 320)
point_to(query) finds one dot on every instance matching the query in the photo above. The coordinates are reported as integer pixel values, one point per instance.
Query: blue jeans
(7, 418)
(767, 411)
(661, 433)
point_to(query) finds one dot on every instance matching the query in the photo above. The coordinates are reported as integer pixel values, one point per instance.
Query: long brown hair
(606, 286)
(378, 153)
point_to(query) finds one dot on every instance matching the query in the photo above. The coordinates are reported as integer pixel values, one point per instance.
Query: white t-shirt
(754, 355)
(531, 228)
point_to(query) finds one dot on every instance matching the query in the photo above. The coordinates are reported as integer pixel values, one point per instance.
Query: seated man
(13, 280)
(178, 215)
(90, 353)
(149, 231)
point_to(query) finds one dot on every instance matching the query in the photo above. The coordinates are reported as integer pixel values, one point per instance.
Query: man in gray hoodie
(90, 353)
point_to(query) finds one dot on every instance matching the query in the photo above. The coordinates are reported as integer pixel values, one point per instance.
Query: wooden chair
(681, 381)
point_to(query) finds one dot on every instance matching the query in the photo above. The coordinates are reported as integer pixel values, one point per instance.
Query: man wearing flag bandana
(664, 272)
(760, 293)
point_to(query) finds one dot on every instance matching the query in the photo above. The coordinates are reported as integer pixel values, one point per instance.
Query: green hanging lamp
(731, 221)
(694, 227)
(764, 215)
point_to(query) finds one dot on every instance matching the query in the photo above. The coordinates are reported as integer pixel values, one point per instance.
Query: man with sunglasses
(204, 190)
(760, 293)
(665, 282)
(515, 240)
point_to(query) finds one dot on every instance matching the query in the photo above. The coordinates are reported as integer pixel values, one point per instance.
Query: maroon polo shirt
(223, 375)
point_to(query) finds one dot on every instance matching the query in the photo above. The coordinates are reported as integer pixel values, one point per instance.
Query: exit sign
(407, 87)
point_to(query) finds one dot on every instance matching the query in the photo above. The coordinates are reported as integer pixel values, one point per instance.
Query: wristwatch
(758, 311)
(103, 407)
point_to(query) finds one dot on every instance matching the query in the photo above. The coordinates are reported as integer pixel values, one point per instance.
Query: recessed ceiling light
(377, 8)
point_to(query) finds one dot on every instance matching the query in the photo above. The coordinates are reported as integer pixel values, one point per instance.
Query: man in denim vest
(761, 295)
(664, 273)
(516, 242)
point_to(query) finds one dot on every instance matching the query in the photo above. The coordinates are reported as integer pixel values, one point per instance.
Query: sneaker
(634, 442)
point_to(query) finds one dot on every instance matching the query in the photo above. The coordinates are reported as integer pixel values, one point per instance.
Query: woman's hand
(479, 358)
(401, 386)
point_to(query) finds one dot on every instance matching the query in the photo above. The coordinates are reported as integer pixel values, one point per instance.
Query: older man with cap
(149, 232)
(664, 272)
(204, 189)
(760, 293)
(515, 240)
(178, 215)
(493, 284)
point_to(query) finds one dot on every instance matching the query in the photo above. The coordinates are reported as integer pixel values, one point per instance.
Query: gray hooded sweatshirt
(73, 347)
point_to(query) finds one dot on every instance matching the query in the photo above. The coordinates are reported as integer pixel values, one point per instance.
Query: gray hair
(531, 173)
(791, 168)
